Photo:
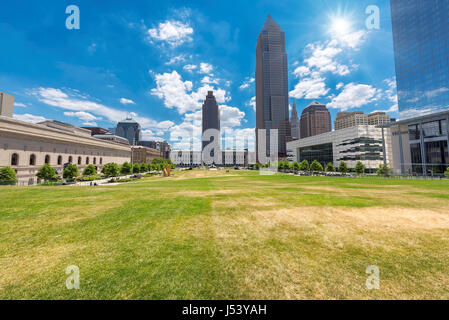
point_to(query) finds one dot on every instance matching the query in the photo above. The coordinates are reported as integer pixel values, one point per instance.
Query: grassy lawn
(218, 235)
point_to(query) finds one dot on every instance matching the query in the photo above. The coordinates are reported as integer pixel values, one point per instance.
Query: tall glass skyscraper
(211, 116)
(272, 85)
(421, 48)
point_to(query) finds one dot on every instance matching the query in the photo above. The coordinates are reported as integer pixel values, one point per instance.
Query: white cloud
(126, 101)
(247, 83)
(252, 103)
(301, 71)
(190, 67)
(207, 79)
(231, 117)
(354, 96)
(29, 118)
(172, 32)
(90, 124)
(206, 68)
(178, 94)
(310, 88)
(18, 104)
(340, 85)
(177, 59)
(84, 116)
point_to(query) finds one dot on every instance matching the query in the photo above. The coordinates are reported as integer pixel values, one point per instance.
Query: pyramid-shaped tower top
(270, 23)
(294, 111)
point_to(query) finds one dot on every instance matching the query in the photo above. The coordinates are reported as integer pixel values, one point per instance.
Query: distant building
(161, 146)
(295, 123)
(229, 158)
(357, 143)
(211, 118)
(96, 130)
(144, 155)
(358, 118)
(315, 119)
(112, 138)
(421, 50)
(6, 104)
(272, 86)
(130, 130)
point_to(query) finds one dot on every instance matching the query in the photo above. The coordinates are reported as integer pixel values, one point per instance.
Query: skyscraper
(272, 85)
(130, 130)
(315, 120)
(211, 116)
(421, 49)
(294, 123)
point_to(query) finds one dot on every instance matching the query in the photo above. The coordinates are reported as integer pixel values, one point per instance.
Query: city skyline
(87, 77)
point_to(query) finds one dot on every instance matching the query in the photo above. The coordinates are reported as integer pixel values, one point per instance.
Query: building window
(32, 160)
(87, 160)
(59, 160)
(70, 159)
(47, 159)
(15, 159)
(95, 160)
(101, 160)
(79, 160)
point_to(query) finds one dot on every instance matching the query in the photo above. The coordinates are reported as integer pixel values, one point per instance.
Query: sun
(341, 26)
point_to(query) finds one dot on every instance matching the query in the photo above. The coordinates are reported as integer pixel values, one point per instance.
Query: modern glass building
(272, 85)
(130, 130)
(421, 49)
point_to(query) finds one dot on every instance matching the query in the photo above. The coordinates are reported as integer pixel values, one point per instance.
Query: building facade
(6, 104)
(97, 130)
(420, 144)
(315, 119)
(142, 154)
(26, 147)
(294, 123)
(211, 116)
(358, 118)
(163, 147)
(421, 50)
(272, 86)
(362, 143)
(130, 130)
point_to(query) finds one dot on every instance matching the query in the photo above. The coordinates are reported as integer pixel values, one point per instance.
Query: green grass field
(237, 235)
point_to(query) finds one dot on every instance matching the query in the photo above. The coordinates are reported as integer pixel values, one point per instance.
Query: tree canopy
(7, 176)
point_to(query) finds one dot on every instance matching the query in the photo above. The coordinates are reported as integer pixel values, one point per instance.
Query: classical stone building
(142, 154)
(26, 147)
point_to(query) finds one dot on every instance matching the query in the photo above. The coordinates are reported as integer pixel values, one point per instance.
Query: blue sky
(156, 60)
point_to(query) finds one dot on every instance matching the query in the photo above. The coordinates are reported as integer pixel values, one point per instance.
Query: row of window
(32, 160)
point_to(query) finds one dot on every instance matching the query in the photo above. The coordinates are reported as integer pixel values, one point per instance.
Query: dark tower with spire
(272, 85)
(295, 123)
(211, 115)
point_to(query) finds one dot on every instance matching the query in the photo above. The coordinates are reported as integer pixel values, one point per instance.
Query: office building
(97, 131)
(294, 123)
(272, 86)
(421, 50)
(315, 119)
(211, 116)
(358, 118)
(130, 130)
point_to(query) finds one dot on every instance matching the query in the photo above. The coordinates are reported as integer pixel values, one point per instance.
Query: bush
(446, 174)
(90, 178)
(47, 173)
(257, 166)
(296, 166)
(137, 168)
(330, 167)
(90, 170)
(126, 168)
(111, 170)
(316, 166)
(304, 166)
(343, 167)
(70, 172)
(383, 170)
(359, 168)
(143, 168)
(8, 176)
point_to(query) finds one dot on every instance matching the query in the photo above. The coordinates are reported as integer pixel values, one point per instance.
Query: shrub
(316, 166)
(46, 173)
(70, 172)
(111, 170)
(304, 166)
(330, 167)
(359, 168)
(383, 170)
(90, 170)
(296, 166)
(136, 168)
(343, 167)
(446, 174)
(126, 168)
(143, 168)
(257, 166)
(8, 176)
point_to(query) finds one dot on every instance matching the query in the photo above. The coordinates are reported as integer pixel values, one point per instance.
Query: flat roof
(427, 117)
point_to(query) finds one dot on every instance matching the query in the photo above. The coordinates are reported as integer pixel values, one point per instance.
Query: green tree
(47, 173)
(304, 166)
(296, 166)
(330, 167)
(446, 174)
(359, 168)
(126, 168)
(136, 168)
(343, 167)
(90, 170)
(316, 166)
(257, 166)
(143, 167)
(70, 172)
(383, 170)
(111, 170)
(7, 176)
